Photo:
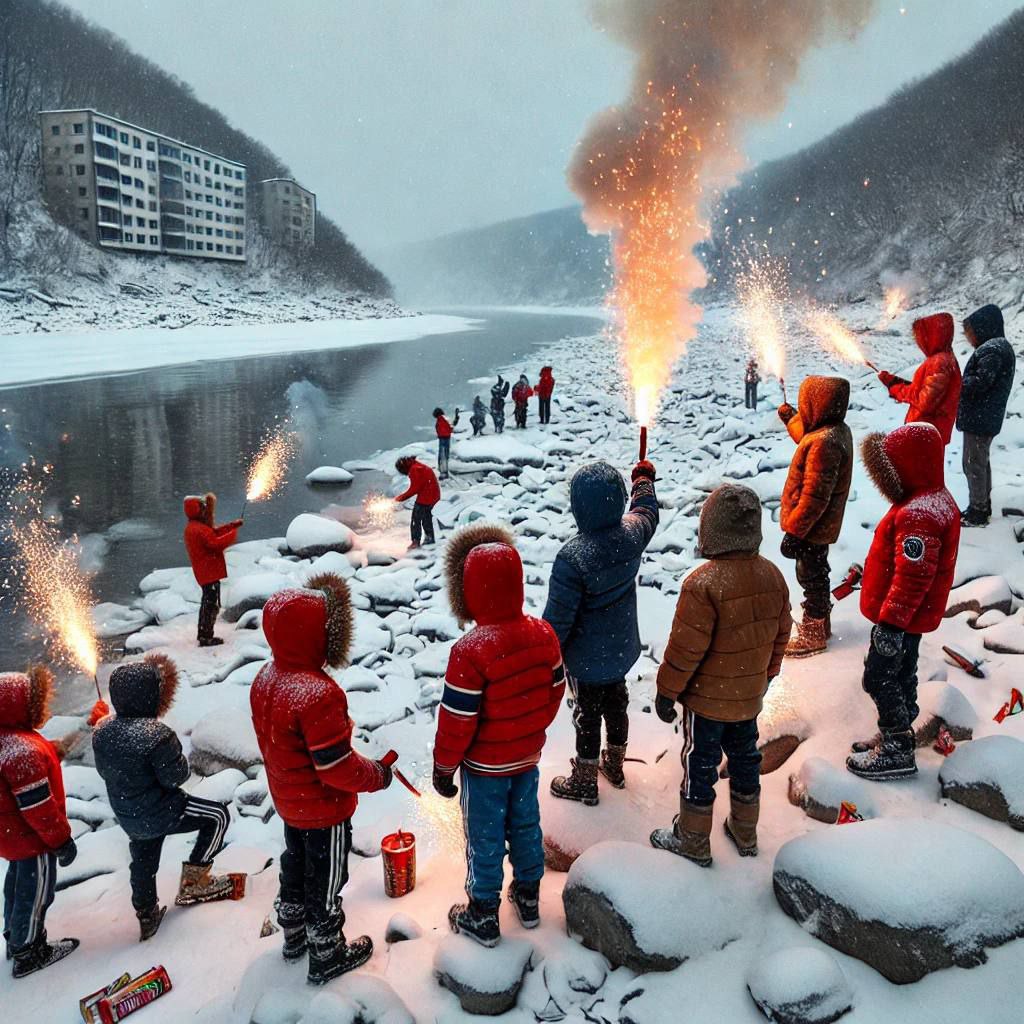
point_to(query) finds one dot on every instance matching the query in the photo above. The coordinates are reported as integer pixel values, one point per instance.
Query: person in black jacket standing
(141, 761)
(987, 380)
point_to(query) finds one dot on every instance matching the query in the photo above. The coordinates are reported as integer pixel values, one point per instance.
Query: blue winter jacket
(592, 593)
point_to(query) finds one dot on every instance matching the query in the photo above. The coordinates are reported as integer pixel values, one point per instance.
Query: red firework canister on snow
(398, 852)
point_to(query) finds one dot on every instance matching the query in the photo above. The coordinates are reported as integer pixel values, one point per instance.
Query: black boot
(612, 759)
(525, 897)
(149, 921)
(972, 516)
(893, 758)
(580, 786)
(295, 944)
(345, 957)
(476, 920)
(41, 954)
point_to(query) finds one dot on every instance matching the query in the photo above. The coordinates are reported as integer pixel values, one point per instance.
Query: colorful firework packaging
(944, 744)
(850, 583)
(970, 665)
(1014, 706)
(124, 996)
(848, 813)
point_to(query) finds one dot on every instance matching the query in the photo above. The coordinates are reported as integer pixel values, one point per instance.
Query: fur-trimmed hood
(25, 698)
(310, 627)
(201, 507)
(144, 689)
(484, 574)
(905, 462)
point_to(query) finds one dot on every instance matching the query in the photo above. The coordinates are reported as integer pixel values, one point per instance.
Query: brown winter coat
(814, 498)
(732, 622)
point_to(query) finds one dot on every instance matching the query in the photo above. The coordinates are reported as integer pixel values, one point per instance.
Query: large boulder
(979, 596)
(224, 738)
(907, 897)
(253, 590)
(942, 704)
(485, 981)
(310, 535)
(988, 776)
(800, 986)
(646, 909)
(820, 789)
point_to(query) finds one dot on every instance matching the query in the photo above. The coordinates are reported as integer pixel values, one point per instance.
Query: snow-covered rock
(360, 998)
(820, 789)
(980, 595)
(943, 704)
(402, 928)
(485, 981)
(1006, 637)
(224, 738)
(310, 535)
(251, 591)
(987, 776)
(110, 620)
(133, 530)
(803, 985)
(329, 475)
(160, 579)
(165, 605)
(907, 897)
(499, 449)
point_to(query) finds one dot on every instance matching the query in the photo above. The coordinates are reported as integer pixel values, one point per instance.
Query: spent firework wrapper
(850, 583)
(398, 852)
(848, 813)
(1014, 706)
(944, 744)
(89, 1005)
(139, 992)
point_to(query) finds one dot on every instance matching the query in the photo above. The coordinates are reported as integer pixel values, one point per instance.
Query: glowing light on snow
(761, 286)
(835, 336)
(379, 511)
(270, 464)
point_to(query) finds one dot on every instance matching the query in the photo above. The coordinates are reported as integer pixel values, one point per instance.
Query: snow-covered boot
(476, 920)
(861, 746)
(972, 516)
(211, 641)
(198, 885)
(344, 957)
(149, 921)
(741, 825)
(295, 944)
(689, 836)
(610, 765)
(580, 786)
(525, 897)
(893, 758)
(810, 639)
(41, 954)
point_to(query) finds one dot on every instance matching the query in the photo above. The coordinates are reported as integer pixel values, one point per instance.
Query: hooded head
(823, 401)
(546, 371)
(730, 522)
(144, 689)
(25, 698)
(437, 412)
(310, 627)
(523, 379)
(201, 507)
(403, 464)
(934, 333)
(597, 494)
(905, 462)
(484, 575)
(985, 324)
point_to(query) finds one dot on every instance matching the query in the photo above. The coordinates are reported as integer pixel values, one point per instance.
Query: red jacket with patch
(505, 679)
(300, 715)
(545, 383)
(423, 485)
(934, 393)
(33, 819)
(909, 569)
(204, 542)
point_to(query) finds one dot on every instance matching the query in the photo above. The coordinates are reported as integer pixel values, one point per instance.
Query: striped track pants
(28, 893)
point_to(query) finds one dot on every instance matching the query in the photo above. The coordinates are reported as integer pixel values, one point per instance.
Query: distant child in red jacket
(934, 393)
(423, 486)
(545, 388)
(503, 687)
(907, 577)
(206, 544)
(34, 832)
(521, 395)
(300, 715)
(444, 439)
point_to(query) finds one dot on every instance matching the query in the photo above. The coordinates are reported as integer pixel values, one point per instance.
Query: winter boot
(610, 765)
(478, 921)
(893, 758)
(972, 516)
(345, 957)
(741, 825)
(861, 746)
(525, 897)
(580, 786)
(810, 639)
(210, 641)
(828, 622)
(199, 886)
(689, 836)
(41, 954)
(149, 921)
(295, 944)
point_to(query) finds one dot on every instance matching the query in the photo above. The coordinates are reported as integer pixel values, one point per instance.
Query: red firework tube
(643, 444)
(867, 362)
(388, 760)
(398, 854)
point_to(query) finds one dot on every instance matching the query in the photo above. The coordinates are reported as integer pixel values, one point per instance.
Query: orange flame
(268, 468)
(761, 288)
(835, 336)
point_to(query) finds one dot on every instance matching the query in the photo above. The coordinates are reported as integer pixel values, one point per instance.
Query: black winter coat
(139, 758)
(988, 376)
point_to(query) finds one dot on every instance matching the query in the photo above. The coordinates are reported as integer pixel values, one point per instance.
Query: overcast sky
(414, 118)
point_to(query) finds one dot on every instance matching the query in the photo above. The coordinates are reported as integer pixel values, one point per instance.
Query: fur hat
(40, 693)
(881, 469)
(459, 547)
(340, 625)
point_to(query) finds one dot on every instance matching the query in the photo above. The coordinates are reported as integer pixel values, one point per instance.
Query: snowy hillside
(924, 882)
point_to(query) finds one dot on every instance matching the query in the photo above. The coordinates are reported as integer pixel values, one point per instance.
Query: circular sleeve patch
(913, 549)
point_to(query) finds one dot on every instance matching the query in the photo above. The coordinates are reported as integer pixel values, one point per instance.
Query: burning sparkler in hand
(761, 286)
(834, 336)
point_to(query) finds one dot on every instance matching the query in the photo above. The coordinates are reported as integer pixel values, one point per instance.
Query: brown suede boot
(612, 759)
(580, 786)
(199, 886)
(690, 835)
(741, 825)
(810, 639)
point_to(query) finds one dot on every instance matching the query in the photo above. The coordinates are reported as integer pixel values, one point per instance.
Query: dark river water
(130, 446)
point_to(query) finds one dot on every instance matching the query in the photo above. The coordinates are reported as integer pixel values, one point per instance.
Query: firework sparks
(442, 821)
(836, 337)
(761, 286)
(379, 511)
(895, 302)
(267, 472)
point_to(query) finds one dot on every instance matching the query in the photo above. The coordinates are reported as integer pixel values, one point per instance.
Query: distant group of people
(522, 391)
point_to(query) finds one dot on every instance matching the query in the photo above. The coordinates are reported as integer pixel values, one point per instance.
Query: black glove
(887, 640)
(665, 709)
(790, 547)
(67, 853)
(644, 471)
(444, 784)
(387, 775)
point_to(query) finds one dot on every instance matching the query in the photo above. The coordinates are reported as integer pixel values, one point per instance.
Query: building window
(153, 225)
(126, 200)
(79, 147)
(126, 179)
(152, 206)
(139, 204)
(139, 183)
(206, 166)
(153, 240)
(79, 169)
(150, 165)
(216, 168)
(152, 190)
(137, 163)
(82, 191)
(151, 145)
(79, 129)
(129, 237)
(55, 129)
(126, 160)
(136, 142)
(124, 138)
(189, 244)
(220, 248)
(58, 170)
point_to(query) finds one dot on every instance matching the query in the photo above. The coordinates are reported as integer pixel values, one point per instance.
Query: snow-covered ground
(223, 971)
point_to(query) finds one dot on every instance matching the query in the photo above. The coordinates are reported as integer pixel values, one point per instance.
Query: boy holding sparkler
(423, 486)
(443, 428)
(503, 688)
(35, 835)
(728, 638)
(206, 543)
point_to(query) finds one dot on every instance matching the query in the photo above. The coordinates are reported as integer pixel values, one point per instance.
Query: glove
(786, 412)
(67, 853)
(444, 784)
(887, 640)
(387, 775)
(889, 379)
(790, 547)
(665, 709)
(236, 524)
(644, 471)
(100, 710)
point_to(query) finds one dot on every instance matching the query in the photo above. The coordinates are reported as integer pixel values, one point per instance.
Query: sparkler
(761, 286)
(379, 511)
(895, 302)
(267, 472)
(836, 337)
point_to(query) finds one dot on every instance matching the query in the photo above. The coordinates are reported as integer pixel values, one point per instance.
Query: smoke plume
(703, 70)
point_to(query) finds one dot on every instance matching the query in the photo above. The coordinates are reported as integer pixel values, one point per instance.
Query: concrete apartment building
(287, 212)
(124, 187)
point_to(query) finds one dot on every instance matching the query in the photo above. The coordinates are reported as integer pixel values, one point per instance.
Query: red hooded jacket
(545, 383)
(204, 542)
(300, 713)
(934, 393)
(505, 679)
(423, 485)
(521, 393)
(33, 819)
(909, 568)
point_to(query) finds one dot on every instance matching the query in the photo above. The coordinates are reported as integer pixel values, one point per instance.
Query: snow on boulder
(800, 986)
(110, 620)
(133, 530)
(819, 789)
(310, 535)
(402, 928)
(224, 738)
(615, 900)
(499, 449)
(436, 625)
(220, 786)
(165, 605)
(329, 475)
(980, 595)
(332, 561)
(390, 590)
(485, 981)
(359, 998)
(987, 776)
(252, 591)
(160, 579)
(907, 897)
(1006, 637)
(943, 704)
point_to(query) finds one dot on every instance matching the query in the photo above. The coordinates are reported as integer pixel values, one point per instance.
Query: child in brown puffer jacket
(730, 631)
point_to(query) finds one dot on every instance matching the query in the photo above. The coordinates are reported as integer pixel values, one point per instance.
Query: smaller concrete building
(287, 212)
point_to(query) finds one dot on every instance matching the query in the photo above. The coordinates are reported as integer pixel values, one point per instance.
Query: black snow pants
(209, 608)
(596, 703)
(422, 523)
(892, 685)
(812, 573)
